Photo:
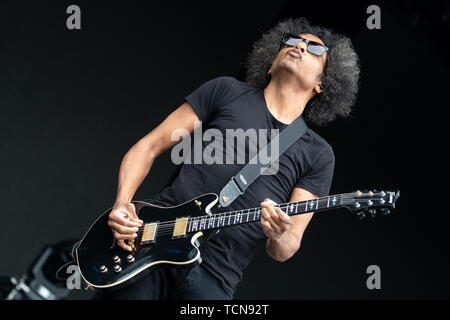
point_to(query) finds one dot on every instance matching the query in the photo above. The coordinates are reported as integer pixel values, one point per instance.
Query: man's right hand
(124, 223)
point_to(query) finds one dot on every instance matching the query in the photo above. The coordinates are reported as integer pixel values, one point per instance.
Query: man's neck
(285, 100)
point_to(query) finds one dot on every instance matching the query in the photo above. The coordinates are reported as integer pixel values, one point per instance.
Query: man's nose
(301, 45)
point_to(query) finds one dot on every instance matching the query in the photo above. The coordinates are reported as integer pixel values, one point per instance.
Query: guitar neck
(232, 218)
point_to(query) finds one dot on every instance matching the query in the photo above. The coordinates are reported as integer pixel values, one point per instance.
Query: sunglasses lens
(316, 49)
(290, 41)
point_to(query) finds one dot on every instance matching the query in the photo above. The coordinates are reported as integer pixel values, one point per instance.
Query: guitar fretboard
(227, 219)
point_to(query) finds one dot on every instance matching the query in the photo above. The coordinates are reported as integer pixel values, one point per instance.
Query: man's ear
(318, 88)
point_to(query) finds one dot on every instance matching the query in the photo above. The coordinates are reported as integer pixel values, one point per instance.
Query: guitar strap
(252, 170)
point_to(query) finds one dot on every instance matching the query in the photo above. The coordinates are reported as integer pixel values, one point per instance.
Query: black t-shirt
(226, 103)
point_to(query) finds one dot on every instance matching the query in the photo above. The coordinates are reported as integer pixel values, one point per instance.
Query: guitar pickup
(179, 229)
(149, 233)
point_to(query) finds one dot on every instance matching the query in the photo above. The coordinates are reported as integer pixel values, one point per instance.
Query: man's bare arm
(138, 160)
(136, 165)
(284, 233)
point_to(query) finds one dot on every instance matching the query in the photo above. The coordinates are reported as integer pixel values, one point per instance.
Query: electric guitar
(172, 235)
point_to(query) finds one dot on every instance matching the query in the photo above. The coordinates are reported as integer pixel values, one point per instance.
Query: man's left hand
(274, 221)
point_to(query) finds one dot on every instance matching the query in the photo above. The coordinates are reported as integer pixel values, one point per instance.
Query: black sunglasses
(290, 39)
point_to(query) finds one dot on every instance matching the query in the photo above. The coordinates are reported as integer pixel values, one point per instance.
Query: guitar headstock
(371, 202)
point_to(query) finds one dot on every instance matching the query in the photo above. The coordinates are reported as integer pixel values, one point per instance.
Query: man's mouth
(295, 53)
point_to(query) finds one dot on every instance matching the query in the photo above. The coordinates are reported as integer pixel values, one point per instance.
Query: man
(312, 72)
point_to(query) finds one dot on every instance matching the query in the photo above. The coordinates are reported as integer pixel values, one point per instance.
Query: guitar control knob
(116, 259)
(130, 258)
(103, 269)
(117, 268)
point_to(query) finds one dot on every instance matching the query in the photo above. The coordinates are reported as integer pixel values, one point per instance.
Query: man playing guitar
(293, 65)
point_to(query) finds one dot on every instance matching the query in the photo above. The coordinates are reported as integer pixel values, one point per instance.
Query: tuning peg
(361, 215)
(385, 211)
(373, 213)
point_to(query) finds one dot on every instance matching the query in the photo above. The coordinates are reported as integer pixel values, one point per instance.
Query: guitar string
(320, 200)
(168, 225)
(168, 229)
(246, 212)
(206, 224)
(286, 207)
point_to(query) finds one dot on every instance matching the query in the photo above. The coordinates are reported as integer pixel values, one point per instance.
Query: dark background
(73, 102)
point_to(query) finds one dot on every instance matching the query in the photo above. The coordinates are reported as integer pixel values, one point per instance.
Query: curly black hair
(340, 79)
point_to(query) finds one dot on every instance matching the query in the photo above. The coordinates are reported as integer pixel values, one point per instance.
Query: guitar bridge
(131, 244)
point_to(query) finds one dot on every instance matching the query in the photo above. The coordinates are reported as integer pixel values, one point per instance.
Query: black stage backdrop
(74, 101)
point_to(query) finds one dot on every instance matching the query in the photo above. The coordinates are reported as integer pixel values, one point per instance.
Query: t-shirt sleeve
(317, 179)
(207, 99)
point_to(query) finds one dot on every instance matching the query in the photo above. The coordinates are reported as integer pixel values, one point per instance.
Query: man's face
(305, 66)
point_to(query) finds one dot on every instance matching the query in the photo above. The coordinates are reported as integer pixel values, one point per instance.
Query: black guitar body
(103, 264)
